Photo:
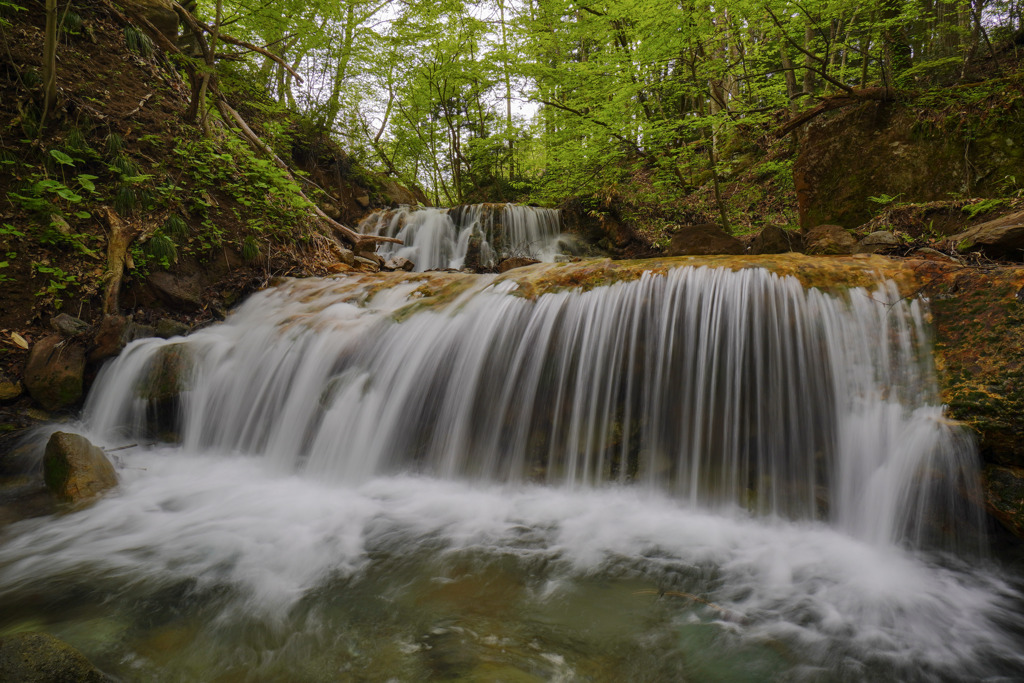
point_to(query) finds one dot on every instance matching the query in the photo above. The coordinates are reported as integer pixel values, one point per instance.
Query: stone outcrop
(54, 372)
(706, 239)
(182, 293)
(74, 469)
(41, 658)
(888, 149)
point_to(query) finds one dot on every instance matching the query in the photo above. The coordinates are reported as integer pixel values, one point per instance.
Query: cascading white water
(727, 388)
(706, 475)
(441, 238)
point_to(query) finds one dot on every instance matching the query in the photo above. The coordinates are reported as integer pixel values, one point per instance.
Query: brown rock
(829, 240)
(516, 262)
(67, 325)
(114, 333)
(703, 240)
(74, 469)
(367, 265)
(53, 373)
(999, 238)
(9, 388)
(776, 240)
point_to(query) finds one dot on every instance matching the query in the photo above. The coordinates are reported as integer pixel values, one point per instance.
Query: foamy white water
(707, 475)
(440, 238)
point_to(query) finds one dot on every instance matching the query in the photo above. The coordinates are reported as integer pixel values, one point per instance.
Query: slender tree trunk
(49, 63)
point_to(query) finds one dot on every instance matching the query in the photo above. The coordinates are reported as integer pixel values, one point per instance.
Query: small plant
(57, 282)
(137, 41)
(250, 248)
(163, 249)
(124, 166)
(885, 199)
(175, 226)
(77, 142)
(125, 200)
(115, 145)
(72, 24)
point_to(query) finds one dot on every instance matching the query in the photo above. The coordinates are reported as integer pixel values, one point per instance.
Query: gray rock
(54, 372)
(183, 293)
(41, 658)
(880, 241)
(68, 325)
(74, 469)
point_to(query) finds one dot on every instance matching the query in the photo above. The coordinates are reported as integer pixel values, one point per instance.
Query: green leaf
(85, 180)
(61, 157)
(69, 195)
(83, 214)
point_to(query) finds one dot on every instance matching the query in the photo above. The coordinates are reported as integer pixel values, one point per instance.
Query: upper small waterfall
(487, 233)
(726, 388)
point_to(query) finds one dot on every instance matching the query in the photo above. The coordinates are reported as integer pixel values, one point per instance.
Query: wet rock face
(54, 372)
(703, 240)
(1004, 496)
(74, 469)
(41, 658)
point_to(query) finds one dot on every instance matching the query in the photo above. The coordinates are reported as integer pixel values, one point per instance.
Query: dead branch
(120, 236)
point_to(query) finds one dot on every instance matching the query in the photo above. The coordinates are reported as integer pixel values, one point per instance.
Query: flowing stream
(701, 476)
(435, 239)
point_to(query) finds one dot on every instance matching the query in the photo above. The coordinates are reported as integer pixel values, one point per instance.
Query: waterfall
(725, 389)
(435, 239)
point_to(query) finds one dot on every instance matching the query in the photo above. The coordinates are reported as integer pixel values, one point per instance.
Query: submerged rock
(54, 372)
(703, 240)
(41, 658)
(76, 470)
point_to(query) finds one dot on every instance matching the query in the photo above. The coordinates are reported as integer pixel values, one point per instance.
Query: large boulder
(774, 239)
(54, 372)
(74, 469)
(999, 238)
(41, 658)
(705, 239)
(829, 240)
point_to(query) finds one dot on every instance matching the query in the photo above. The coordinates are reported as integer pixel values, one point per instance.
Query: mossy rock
(41, 658)
(76, 470)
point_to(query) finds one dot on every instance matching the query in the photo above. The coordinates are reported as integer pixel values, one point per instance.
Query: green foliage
(250, 248)
(175, 226)
(57, 281)
(984, 206)
(72, 23)
(163, 249)
(115, 145)
(884, 199)
(137, 41)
